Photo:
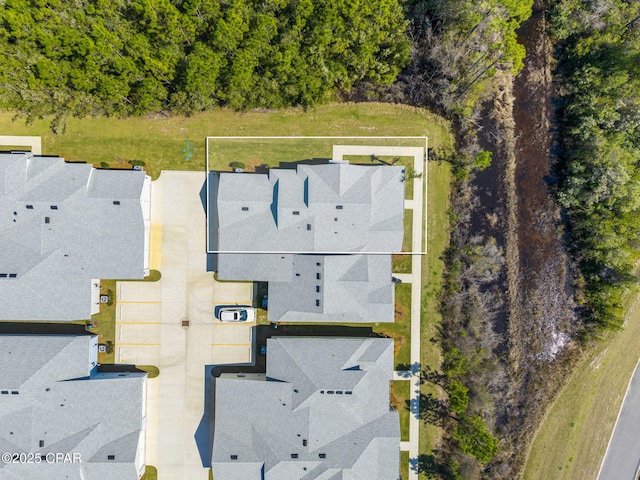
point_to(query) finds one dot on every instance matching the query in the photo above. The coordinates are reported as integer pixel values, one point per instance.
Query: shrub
(475, 439)
(483, 160)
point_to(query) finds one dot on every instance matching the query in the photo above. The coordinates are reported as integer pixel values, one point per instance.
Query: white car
(236, 313)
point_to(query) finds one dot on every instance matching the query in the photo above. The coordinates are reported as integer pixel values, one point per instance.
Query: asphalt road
(622, 458)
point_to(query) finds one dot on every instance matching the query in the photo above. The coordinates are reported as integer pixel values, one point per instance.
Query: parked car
(235, 313)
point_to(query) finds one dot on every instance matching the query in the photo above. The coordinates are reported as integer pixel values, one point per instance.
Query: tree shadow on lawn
(430, 464)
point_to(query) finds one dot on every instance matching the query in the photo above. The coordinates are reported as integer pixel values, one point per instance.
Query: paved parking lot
(150, 331)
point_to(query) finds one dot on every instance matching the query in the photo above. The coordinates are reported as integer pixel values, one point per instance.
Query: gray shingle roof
(322, 413)
(335, 207)
(63, 402)
(349, 288)
(59, 229)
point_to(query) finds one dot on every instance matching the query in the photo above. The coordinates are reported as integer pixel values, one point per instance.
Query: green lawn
(105, 323)
(255, 150)
(437, 238)
(152, 370)
(252, 152)
(160, 141)
(573, 437)
(151, 473)
(402, 263)
(404, 465)
(400, 330)
(400, 394)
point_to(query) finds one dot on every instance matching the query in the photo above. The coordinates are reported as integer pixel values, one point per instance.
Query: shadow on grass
(407, 370)
(430, 464)
(432, 410)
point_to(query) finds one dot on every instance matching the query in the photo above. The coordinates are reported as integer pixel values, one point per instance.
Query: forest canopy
(459, 46)
(123, 57)
(600, 188)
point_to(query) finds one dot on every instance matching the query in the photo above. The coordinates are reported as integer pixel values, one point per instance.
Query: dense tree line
(600, 71)
(459, 45)
(122, 57)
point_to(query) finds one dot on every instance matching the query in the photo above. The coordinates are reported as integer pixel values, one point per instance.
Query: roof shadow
(27, 328)
(204, 433)
(304, 161)
(262, 332)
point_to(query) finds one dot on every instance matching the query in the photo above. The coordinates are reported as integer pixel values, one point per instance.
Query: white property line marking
(320, 137)
(418, 235)
(236, 137)
(313, 252)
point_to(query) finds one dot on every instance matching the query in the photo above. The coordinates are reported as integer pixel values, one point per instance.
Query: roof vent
(54, 207)
(13, 275)
(294, 455)
(116, 202)
(3, 275)
(317, 302)
(304, 442)
(5, 392)
(29, 207)
(41, 443)
(330, 392)
(317, 264)
(338, 392)
(47, 219)
(234, 457)
(322, 455)
(317, 288)
(317, 276)
(348, 392)
(308, 226)
(296, 212)
(111, 457)
(14, 392)
(245, 209)
(339, 207)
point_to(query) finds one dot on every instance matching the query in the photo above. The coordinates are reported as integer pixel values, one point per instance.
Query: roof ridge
(33, 182)
(51, 358)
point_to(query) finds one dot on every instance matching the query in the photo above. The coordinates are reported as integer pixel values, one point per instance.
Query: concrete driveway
(151, 319)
